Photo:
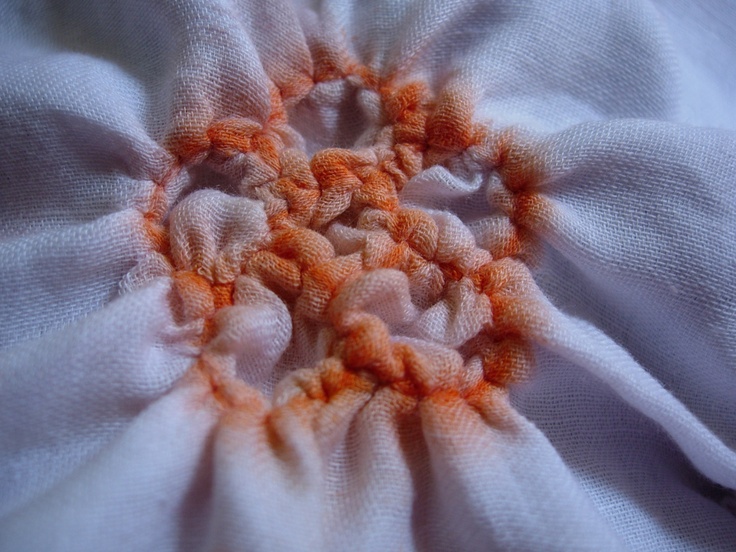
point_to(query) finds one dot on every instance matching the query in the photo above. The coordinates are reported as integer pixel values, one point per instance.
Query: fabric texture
(367, 275)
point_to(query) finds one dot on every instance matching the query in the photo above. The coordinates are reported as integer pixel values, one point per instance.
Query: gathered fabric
(340, 275)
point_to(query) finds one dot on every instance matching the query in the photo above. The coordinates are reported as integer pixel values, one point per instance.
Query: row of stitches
(351, 198)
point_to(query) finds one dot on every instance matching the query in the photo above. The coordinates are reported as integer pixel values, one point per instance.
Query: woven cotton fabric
(348, 275)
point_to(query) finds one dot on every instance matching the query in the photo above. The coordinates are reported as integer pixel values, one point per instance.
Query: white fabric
(622, 436)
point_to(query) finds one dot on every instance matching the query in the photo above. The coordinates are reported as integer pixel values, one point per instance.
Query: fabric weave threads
(340, 275)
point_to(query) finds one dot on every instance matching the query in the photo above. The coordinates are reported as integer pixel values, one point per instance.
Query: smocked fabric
(367, 276)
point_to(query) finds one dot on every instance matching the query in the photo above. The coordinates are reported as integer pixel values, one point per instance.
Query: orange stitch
(378, 191)
(223, 294)
(156, 233)
(367, 346)
(321, 282)
(267, 149)
(407, 110)
(154, 229)
(505, 358)
(334, 378)
(305, 246)
(329, 63)
(416, 228)
(507, 361)
(517, 169)
(188, 146)
(277, 272)
(232, 136)
(412, 365)
(451, 272)
(194, 297)
(369, 79)
(227, 390)
(293, 91)
(512, 246)
(404, 102)
(158, 203)
(330, 378)
(409, 158)
(449, 127)
(300, 202)
(278, 116)
(279, 219)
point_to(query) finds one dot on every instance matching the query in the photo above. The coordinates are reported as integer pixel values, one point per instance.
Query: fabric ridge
(414, 275)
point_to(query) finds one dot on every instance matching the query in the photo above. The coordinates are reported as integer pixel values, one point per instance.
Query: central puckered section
(347, 267)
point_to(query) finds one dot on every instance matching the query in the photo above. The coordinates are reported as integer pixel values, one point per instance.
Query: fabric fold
(68, 393)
